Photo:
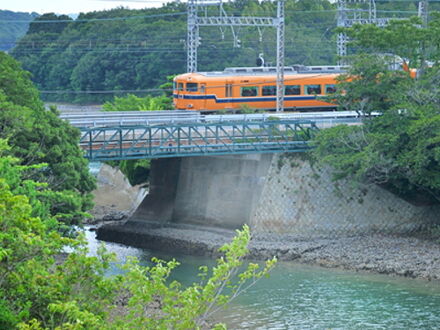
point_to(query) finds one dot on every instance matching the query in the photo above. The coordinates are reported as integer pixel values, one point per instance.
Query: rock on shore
(393, 255)
(115, 199)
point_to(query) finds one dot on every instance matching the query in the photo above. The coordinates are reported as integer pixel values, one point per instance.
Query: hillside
(12, 27)
(107, 53)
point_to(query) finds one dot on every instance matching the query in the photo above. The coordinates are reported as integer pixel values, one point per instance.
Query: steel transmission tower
(193, 36)
(347, 17)
(223, 20)
(280, 55)
(423, 12)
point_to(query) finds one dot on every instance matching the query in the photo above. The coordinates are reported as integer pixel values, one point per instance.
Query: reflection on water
(298, 296)
(307, 297)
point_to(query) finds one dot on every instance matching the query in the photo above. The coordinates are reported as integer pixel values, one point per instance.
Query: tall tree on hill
(39, 136)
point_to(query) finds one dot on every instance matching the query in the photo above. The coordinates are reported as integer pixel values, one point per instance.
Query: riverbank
(392, 255)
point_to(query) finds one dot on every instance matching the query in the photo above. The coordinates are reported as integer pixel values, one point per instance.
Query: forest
(118, 51)
(13, 26)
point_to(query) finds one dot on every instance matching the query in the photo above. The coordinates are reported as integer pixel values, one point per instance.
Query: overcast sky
(74, 6)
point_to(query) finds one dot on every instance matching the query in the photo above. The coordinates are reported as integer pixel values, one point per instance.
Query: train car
(256, 88)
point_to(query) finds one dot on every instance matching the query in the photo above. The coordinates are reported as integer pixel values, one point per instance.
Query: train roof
(263, 71)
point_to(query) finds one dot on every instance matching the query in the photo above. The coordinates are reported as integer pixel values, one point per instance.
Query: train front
(188, 92)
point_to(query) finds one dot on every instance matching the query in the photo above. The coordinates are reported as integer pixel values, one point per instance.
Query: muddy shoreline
(383, 254)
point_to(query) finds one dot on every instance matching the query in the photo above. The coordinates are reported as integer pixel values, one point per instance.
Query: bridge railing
(196, 139)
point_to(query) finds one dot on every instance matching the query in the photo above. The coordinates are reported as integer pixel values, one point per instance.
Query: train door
(228, 95)
(204, 99)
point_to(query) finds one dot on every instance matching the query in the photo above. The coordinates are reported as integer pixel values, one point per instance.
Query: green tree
(40, 290)
(134, 103)
(399, 149)
(137, 171)
(370, 85)
(404, 38)
(39, 136)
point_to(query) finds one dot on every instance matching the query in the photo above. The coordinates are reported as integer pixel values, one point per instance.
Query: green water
(306, 297)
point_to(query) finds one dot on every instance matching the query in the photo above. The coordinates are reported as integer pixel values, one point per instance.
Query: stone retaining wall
(303, 200)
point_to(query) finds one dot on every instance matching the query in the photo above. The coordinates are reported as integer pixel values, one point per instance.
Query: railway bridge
(166, 134)
(228, 170)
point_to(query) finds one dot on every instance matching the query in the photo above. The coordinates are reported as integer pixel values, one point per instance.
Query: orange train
(256, 88)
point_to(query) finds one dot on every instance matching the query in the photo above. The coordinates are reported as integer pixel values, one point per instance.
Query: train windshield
(180, 87)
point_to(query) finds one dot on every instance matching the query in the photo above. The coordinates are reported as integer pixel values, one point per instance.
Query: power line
(146, 51)
(82, 20)
(270, 81)
(104, 91)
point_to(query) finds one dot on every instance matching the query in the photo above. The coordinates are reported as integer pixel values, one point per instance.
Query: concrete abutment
(272, 193)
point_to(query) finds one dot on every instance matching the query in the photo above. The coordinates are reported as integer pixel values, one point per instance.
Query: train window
(330, 89)
(192, 87)
(174, 85)
(202, 89)
(312, 89)
(180, 86)
(249, 91)
(269, 90)
(292, 90)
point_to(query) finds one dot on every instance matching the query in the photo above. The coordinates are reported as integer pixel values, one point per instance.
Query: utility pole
(223, 20)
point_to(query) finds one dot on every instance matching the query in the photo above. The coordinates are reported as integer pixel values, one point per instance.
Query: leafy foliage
(39, 136)
(369, 85)
(137, 171)
(133, 103)
(404, 38)
(190, 307)
(37, 291)
(30, 279)
(400, 149)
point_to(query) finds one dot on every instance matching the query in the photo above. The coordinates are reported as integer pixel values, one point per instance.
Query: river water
(306, 297)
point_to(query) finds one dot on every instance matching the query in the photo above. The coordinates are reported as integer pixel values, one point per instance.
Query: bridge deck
(196, 139)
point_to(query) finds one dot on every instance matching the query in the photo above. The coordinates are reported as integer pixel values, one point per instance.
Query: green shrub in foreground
(40, 291)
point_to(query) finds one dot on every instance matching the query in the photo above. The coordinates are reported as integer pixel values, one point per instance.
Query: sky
(74, 6)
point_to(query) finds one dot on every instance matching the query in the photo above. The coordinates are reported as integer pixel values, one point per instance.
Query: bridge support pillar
(158, 205)
(214, 191)
(220, 191)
